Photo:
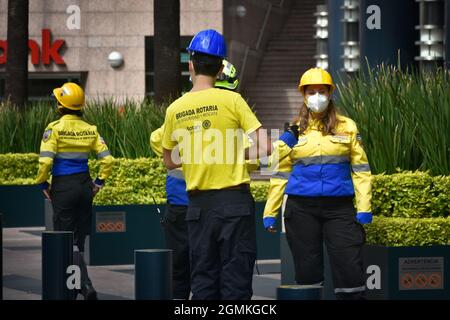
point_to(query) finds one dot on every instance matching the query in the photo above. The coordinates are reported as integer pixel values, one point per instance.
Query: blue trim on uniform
(288, 138)
(64, 167)
(269, 222)
(44, 185)
(364, 217)
(176, 191)
(321, 180)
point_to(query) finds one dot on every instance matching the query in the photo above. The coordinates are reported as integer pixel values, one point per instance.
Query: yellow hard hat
(70, 96)
(315, 76)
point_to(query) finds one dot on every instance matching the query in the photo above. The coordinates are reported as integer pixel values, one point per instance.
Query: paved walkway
(22, 271)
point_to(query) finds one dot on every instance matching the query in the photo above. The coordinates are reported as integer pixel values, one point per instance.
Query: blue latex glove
(290, 135)
(269, 222)
(364, 217)
(288, 138)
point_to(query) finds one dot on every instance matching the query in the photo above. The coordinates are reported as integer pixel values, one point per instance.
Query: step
(288, 41)
(281, 114)
(287, 55)
(276, 71)
(277, 108)
(276, 122)
(306, 45)
(259, 94)
(267, 98)
(287, 49)
(277, 112)
(274, 85)
(267, 101)
(266, 107)
(299, 43)
(280, 60)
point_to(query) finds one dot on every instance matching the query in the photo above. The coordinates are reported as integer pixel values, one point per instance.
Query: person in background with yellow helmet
(322, 167)
(174, 223)
(65, 148)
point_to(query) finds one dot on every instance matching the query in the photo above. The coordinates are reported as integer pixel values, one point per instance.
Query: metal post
(297, 292)
(153, 274)
(57, 255)
(1, 257)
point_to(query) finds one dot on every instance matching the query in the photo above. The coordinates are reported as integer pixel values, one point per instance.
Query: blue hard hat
(209, 42)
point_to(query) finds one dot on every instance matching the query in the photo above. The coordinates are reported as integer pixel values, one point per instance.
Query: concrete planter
(393, 273)
(117, 230)
(21, 206)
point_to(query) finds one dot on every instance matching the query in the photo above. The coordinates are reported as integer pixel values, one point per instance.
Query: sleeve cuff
(364, 217)
(269, 222)
(44, 185)
(288, 138)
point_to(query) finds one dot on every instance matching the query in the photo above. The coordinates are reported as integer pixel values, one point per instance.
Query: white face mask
(317, 103)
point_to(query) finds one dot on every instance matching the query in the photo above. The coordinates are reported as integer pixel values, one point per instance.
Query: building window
(41, 85)
(149, 65)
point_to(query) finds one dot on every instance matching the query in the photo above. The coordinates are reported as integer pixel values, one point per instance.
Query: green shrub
(134, 181)
(18, 168)
(408, 232)
(411, 195)
(259, 190)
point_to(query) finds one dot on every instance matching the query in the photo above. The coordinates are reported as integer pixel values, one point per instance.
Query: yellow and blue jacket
(65, 149)
(321, 166)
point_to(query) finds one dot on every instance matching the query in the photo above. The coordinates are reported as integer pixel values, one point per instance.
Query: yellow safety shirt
(206, 125)
(65, 148)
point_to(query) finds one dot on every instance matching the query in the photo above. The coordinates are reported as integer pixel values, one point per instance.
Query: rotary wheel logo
(206, 124)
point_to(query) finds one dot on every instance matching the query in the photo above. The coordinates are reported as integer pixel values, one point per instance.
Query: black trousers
(311, 221)
(222, 238)
(72, 211)
(176, 233)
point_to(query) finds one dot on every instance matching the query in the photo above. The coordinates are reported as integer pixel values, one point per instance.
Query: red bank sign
(50, 50)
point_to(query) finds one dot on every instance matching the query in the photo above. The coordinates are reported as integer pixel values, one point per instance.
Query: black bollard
(153, 274)
(57, 255)
(1, 257)
(298, 292)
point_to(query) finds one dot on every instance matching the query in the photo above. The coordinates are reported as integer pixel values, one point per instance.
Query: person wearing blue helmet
(221, 209)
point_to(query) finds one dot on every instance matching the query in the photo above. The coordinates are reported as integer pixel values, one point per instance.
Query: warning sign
(435, 280)
(110, 222)
(421, 273)
(407, 281)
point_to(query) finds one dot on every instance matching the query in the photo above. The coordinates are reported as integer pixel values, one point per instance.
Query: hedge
(411, 195)
(406, 194)
(133, 181)
(398, 232)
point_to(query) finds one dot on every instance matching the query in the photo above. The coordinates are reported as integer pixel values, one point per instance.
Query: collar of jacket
(70, 117)
(314, 124)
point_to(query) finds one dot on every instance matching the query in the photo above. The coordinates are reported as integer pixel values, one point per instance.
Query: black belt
(243, 187)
